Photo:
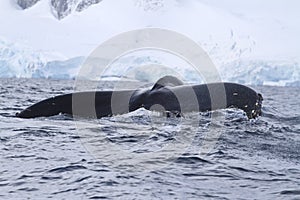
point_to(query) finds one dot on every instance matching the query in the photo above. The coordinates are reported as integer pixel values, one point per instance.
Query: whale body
(168, 94)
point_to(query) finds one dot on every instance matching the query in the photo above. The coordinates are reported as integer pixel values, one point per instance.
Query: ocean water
(144, 155)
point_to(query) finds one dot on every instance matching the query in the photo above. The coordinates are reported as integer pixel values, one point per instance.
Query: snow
(252, 42)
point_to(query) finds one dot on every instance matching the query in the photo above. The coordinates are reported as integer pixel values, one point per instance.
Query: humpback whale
(168, 94)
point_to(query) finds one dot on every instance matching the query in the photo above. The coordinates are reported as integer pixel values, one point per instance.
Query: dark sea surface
(144, 155)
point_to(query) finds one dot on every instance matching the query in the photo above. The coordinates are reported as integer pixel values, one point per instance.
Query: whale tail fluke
(162, 95)
(167, 81)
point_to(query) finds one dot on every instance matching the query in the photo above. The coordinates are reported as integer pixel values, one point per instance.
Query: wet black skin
(160, 98)
(234, 96)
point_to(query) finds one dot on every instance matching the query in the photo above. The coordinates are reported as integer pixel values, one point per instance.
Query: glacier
(22, 62)
(19, 61)
(259, 72)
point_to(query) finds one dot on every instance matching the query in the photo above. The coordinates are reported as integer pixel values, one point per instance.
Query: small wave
(27, 189)
(99, 197)
(192, 160)
(51, 177)
(290, 192)
(67, 168)
(21, 156)
(242, 169)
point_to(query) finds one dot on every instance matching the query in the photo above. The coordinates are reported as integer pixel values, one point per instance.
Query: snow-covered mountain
(63, 8)
(249, 41)
(24, 4)
(60, 8)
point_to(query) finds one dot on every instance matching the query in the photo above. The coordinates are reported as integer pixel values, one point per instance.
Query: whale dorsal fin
(167, 81)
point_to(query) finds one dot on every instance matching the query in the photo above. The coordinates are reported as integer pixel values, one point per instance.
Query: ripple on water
(45, 157)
